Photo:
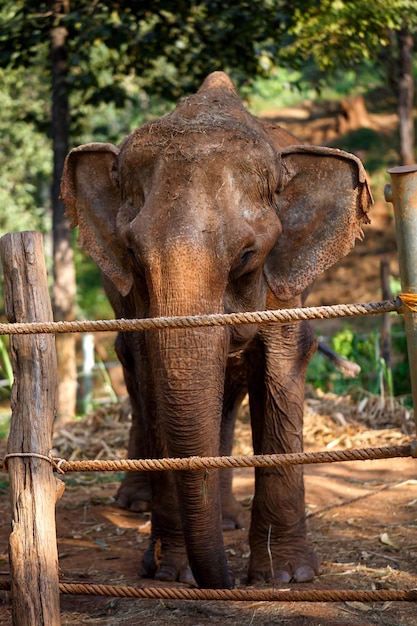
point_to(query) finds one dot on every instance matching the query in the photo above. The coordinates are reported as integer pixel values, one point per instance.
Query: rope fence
(63, 466)
(235, 595)
(219, 319)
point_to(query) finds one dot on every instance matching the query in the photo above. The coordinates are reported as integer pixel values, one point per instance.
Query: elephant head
(207, 210)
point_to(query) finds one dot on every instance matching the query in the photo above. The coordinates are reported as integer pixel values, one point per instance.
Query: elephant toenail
(186, 577)
(304, 573)
(283, 577)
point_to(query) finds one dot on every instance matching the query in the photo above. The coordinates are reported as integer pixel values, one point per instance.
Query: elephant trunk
(189, 365)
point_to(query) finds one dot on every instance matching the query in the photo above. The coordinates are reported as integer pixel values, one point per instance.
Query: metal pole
(402, 192)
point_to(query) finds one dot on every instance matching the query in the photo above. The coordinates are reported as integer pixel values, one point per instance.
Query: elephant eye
(135, 257)
(248, 254)
(243, 263)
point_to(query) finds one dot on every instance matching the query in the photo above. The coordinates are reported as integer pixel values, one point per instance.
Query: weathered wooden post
(403, 194)
(33, 487)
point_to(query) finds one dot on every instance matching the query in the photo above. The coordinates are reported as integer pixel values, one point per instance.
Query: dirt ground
(361, 515)
(361, 522)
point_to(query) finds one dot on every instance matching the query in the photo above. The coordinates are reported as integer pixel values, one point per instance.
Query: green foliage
(346, 33)
(4, 431)
(6, 370)
(26, 156)
(108, 123)
(92, 302)
(363, 350)
(283, 88)
(168, 46)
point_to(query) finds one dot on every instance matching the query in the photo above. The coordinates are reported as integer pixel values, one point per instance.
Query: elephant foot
(134, 493)
(290, 563)
(168, 563)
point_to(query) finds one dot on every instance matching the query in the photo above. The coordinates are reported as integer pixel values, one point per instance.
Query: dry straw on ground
(331, 422)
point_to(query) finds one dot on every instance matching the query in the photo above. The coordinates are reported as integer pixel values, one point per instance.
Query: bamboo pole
(33, 488)
(403, 194)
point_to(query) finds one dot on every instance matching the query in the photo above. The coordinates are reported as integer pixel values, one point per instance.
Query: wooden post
(33, 488)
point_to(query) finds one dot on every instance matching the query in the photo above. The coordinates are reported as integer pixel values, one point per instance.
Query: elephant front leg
(278, 542)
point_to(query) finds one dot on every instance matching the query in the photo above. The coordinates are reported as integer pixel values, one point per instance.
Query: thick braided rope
(269, 595)
(236, 595)
(206, 463)
(219, 319)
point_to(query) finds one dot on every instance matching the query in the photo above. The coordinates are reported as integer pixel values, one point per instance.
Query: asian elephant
(211, 210)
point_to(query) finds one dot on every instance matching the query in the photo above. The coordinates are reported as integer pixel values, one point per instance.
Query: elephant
(210, 209)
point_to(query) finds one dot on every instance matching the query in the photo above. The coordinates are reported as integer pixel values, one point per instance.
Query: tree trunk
(353, 115)
(64, 288)
(33, 488)
(406, 96)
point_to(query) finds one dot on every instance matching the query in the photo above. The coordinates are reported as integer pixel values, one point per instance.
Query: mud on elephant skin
(211, 210)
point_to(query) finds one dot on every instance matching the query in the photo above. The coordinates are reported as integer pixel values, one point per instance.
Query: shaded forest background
(73, 72)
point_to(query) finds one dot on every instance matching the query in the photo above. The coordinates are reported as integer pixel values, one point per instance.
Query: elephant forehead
(191, 140)
(210, 166)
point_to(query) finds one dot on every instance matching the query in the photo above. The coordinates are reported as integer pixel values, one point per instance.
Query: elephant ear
(90, 192)
(323, 200)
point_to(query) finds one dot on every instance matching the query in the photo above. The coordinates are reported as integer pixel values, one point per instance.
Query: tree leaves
(189, 39)
(345, 33)
(25, 158)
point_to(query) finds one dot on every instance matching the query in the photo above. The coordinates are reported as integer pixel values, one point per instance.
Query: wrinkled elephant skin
(211, 210)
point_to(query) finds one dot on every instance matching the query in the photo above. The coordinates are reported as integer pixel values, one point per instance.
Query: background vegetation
(122, 63)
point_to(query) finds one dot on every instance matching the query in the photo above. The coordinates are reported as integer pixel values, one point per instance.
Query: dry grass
(330, 421)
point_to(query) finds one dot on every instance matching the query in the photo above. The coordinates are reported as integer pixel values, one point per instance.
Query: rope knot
(49, 457)
(409, 300)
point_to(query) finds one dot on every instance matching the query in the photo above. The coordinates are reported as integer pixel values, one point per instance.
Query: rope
(281, 316)
(235, 595)
(200, 463)
(245, 595)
